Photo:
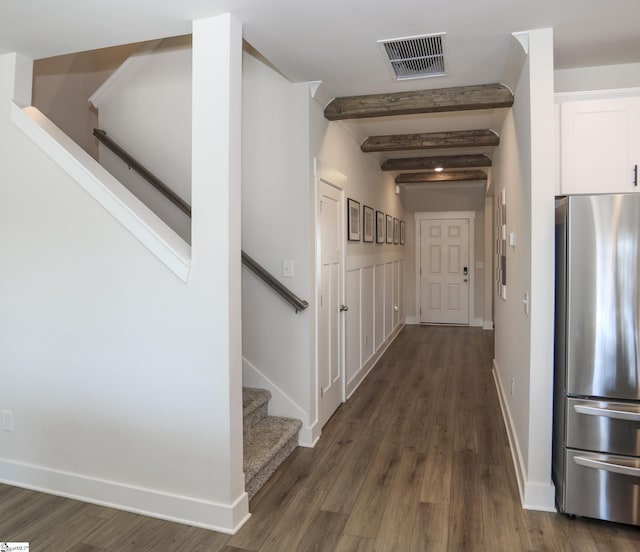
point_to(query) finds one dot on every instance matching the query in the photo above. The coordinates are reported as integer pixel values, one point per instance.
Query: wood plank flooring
(416, 460)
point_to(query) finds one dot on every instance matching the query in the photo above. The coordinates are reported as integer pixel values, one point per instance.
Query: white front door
(330, 342)
(444, 271)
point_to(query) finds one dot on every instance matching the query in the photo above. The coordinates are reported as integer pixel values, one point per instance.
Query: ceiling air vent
(415, 57)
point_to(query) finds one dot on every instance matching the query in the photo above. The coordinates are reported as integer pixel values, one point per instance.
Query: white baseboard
(518, 464)
(533, 496)
(540, 496)
(476, 322)
(225, 518)
(281, 404)
(360, 376)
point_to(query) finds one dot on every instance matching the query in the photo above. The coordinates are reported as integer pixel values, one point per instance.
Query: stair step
(255, 404)
(266, 445)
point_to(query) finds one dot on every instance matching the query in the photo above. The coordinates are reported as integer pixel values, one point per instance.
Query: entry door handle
(344, 308)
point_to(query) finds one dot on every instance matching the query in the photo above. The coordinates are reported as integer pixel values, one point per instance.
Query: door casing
(327, 176)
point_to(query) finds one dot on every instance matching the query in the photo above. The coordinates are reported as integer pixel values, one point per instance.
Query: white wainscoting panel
(401, 292)
(388, 299)
(378, 320)
(367, 302)
(352, 330)
(373, 289)
(395, 308)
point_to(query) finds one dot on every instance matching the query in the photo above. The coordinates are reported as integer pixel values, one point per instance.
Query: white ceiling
(335, 41)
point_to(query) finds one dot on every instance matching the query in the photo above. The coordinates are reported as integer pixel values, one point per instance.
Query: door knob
(344, 308)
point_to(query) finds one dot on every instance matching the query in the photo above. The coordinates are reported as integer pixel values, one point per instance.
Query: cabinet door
(599, 145)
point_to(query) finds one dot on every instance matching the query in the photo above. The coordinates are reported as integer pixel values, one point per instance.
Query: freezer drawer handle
(606, 466)
(607, 413)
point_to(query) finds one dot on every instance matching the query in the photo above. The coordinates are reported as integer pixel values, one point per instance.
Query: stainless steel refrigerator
(596, 445)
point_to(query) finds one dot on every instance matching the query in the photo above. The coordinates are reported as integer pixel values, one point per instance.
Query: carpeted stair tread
(266, 445)
(268, 440)
(265, 439)
(255, 404)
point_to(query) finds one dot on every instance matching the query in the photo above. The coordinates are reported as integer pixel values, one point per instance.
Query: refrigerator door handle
(606, 466)
(607, 413)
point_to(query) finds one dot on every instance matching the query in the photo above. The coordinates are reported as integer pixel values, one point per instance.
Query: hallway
(417, 460)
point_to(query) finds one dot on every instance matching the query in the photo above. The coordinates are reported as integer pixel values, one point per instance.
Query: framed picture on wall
(368, 224)
(380, 229)
(402, 232)
(396, 230)
(353, 220)
(389, 229)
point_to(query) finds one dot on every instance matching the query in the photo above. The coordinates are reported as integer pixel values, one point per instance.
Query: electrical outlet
(7, 420)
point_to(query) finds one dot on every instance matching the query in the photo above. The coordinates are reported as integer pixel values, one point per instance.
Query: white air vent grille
(415, 57)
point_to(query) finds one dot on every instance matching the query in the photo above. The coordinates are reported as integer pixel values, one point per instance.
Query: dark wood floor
(417, 460)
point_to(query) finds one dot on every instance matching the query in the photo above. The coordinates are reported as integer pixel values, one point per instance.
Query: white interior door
(330, 341)
(444, 271)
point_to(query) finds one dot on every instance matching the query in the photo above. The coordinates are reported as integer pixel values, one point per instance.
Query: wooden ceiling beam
(431, 140)
(459, 98)
(444, 161)
(448, 176)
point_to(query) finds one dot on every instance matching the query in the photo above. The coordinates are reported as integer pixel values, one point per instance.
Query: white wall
(284, 131)
(524, 342)
(124, 382)
(376, 273)
(276, 203)
(602, 77)
(62, 86)
(145, 107)
(445, 198)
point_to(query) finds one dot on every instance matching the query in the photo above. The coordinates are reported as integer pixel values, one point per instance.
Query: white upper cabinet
(599, 145)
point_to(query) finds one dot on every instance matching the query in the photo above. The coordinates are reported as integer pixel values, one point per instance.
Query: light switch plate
(287, 268)
(7, 420)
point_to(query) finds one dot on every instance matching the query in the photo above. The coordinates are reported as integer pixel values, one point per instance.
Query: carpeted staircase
(268, 440)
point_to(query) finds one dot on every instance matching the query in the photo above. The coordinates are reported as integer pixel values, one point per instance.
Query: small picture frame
(353, 220)
(380, 228)
(368, 224)
(396, 230)
(389, 229)
(402, 232)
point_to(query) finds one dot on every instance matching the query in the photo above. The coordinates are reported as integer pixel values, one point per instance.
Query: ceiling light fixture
(438, 169)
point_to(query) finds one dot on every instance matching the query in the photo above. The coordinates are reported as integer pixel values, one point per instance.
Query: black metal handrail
(265, 276)
(101, 135)
(283, 291)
